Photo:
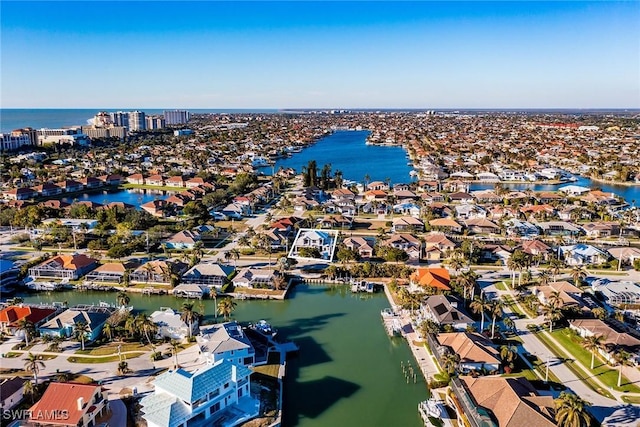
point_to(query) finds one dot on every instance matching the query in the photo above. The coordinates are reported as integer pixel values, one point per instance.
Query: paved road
(608, 411)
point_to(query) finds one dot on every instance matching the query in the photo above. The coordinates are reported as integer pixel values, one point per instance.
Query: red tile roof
(63, 397)
(433, 277)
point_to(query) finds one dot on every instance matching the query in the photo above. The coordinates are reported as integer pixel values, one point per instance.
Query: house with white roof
(227, 341)
(574, 190)
(582, 254)
(216, 394)
(170, 324)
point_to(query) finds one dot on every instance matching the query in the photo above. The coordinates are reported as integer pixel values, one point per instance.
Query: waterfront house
(435, 278)
(155, 180)
(477, 353)
(194, 182)
(209, 274)
(91, 182)
(136, 178)
(363, 245)
(63, 324)
(24, 193)
(70, 186)
(111, 179)
(11, 392)
(158, 271)
(500, 402)
(159, 208)
(170, 324)
(175, 181)
(444, 311)
(77, 404)
(111, 272)
(48, 189)
(255, 278)
(574, 190)
(378, 185)
(623, 295)
(216, 394)
(11, 316)
(323, 241)
(70, 267)
(227, 341)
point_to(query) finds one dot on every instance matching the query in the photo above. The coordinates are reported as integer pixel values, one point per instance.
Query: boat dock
(392, 322)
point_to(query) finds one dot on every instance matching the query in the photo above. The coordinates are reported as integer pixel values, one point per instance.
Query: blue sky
(320, 54)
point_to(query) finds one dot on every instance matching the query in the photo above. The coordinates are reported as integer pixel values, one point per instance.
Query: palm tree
(28, 389)
(622, 358)
(578, 274)
(508, 323)
(571, 411)
(449, 362)
(80, 329)
(544, 277)
(479, 305)
(508, 353)
(130, 326)
(495, 308)
(551, 314)
(226, 307)
(279, 282)
(27, 327)
(428, 327)
(123, 368)
(32, 364)
(146, 325)
(555, 299)
(123, 299)
(54, 345)
(107, 330)
(468, 281)
(599, 313)
(227, 256)
(189, 315)
(63, 377)
(555, 265)
(235, 254)
(175, 346)
(591, 344)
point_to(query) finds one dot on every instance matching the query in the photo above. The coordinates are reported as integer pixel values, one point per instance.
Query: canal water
(133, 196)
(346, 151)
(348, 372)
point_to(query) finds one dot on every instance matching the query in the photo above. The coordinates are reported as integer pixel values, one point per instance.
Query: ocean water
(16, 118)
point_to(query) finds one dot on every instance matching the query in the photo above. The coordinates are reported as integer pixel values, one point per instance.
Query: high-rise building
(176, 117)
(102, 120)
(14, 140)
(137, 121)
(155, 122)
(120, 118)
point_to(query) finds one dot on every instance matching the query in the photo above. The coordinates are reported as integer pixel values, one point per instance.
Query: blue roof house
(216, 394)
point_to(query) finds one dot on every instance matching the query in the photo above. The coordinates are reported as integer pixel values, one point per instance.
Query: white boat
(430, 409)
(387, 312)
(264, 328)
(44, 286)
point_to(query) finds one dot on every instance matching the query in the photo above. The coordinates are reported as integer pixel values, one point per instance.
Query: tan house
(500, 401)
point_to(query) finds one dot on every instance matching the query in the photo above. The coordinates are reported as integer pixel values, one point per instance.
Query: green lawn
(112, 348)
(631, 399)
(500, 286)
(106, 359)
(607, 374)
(569, 363)
(508, 300)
